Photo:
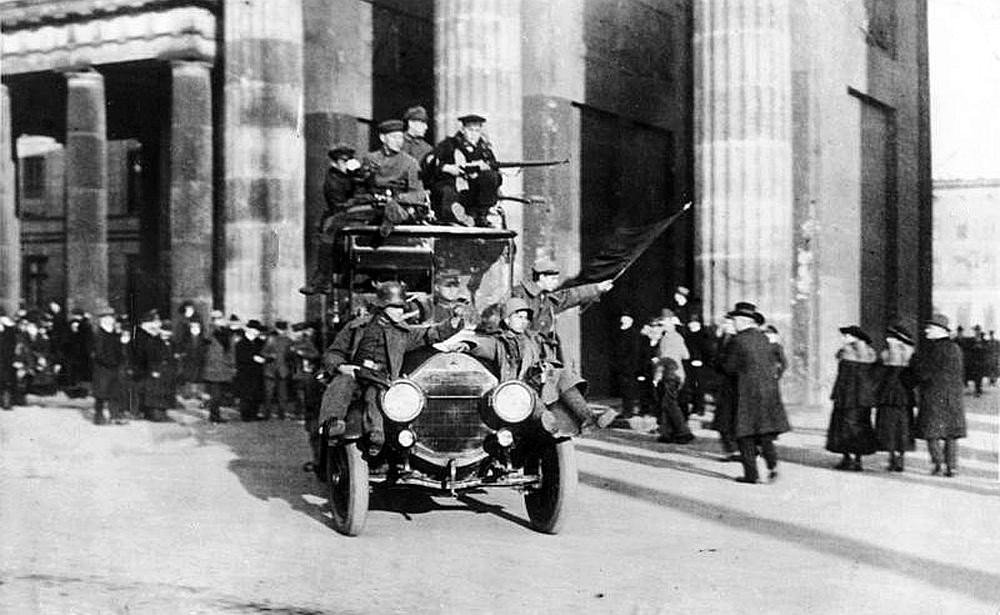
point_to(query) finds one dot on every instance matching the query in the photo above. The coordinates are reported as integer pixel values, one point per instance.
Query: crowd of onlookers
(981, 356)
(882, 400)
(141, 369)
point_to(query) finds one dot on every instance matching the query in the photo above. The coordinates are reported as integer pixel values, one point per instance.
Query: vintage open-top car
(451, 424)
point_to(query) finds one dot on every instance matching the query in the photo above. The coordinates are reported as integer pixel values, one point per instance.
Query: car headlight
(403, 401)
(512, 401)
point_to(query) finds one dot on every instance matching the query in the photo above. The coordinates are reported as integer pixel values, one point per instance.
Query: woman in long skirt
(895, 398)
(850, 432)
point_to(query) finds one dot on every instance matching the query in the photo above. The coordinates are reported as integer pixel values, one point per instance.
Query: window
(33, 177)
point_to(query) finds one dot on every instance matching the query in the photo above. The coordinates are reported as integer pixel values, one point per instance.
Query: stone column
(264, 150)
(743, 165)
(191, 203)
(338, 91)
(86, 190)
(552, 51)
(477, 53)
(10, 229)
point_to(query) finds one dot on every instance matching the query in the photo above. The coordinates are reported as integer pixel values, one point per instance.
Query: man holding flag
(546, 299)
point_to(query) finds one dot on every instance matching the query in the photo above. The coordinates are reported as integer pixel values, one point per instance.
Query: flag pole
(632, 261)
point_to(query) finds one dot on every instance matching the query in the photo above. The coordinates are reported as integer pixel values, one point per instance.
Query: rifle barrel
(530, 163)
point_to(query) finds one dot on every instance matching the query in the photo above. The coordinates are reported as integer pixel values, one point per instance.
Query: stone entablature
(51, 36)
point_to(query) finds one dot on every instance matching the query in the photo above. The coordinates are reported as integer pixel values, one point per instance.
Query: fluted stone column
(743, 166)
(191, 203)
(552, 50)
(264, 159)
(86, 190)
(338, 91)
(10, 230)
(477, 53)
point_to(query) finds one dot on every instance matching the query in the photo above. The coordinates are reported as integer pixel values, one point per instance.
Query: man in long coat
(151, 363)
(939, 373)
(8, 347)
(108, 356)
(248, 384)
(760, 415)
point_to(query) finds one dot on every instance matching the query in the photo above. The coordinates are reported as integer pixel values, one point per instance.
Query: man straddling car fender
(519, 354)
(367, 355)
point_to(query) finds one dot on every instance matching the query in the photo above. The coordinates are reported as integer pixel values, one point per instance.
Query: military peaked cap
(390, 126)
(341, 150)
(472, 118)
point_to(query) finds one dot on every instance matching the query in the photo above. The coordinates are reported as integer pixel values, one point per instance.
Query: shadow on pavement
(983, 586)
(706, 448)
(268, 463)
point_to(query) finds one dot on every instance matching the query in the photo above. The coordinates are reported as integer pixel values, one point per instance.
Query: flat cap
(940, 320)
(545, 265)
(858, 332)
(340, 150)
(472, 118)
(149, 316)
(300, 326)
(255, 324)
(900, 333)
(416, 113)
(390, 126)
(516, 304)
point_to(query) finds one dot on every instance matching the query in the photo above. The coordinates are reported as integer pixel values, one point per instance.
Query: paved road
(198, 518)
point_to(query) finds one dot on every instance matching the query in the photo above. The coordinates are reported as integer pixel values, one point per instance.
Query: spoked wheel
(348, 480)
(547, 504)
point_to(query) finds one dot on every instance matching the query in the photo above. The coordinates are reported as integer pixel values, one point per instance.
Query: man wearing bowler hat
(367, 355)
(759, 414)
(463, 175)
(940, 375)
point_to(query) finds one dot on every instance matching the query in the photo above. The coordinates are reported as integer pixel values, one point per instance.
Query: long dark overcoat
(108, 357)
(937, 368)
(851, 430)
(759, 411)
(220, 363)
(8, 348)
(152, 367)
(249, 381)
(399, 339)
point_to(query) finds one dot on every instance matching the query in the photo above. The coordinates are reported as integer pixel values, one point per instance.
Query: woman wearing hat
(853, 396)
(894, 399)
(938, 370)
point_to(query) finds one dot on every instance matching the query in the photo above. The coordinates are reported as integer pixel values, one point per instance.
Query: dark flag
(620, 250)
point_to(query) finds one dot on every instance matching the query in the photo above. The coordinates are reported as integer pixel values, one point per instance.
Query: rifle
(472, 169)
(520, 164)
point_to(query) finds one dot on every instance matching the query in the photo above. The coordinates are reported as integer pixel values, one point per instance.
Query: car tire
(347, 474)
(548, 504)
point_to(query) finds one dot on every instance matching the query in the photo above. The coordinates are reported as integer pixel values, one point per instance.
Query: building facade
(192, 140)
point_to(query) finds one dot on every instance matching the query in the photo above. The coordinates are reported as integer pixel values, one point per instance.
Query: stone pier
(191, 202)
(10, 231)
(86, 190)
(264, 200)
(743, 149)
(477, 54)
(337, 95)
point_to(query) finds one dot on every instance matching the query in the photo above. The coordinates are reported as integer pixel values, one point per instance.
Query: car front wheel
(348, 480)
(547, 504)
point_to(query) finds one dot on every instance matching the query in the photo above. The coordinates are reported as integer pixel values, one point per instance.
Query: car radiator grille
(451, 425)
